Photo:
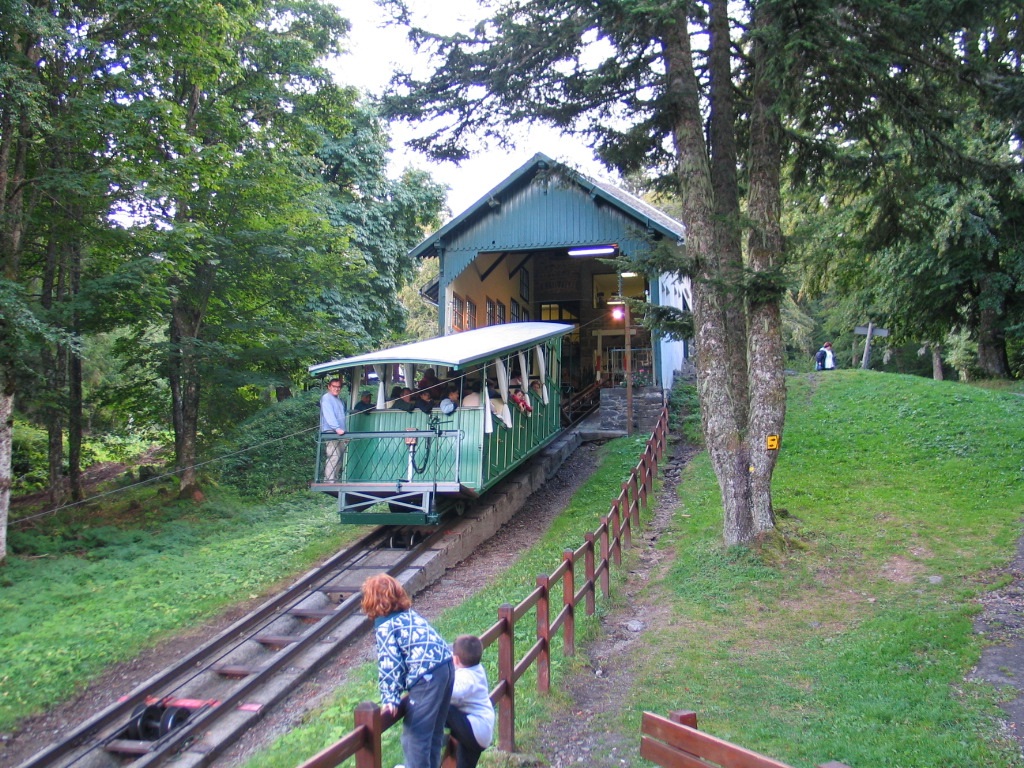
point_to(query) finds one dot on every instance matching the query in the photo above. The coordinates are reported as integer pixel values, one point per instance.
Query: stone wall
(647, 405)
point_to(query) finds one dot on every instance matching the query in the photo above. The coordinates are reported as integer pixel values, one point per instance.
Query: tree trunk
(937, 362)
(76, 426)
(723, 433)
(283, 392)
(53, 359)
(725, 188)
(992, 357)
(184, 382)
(765, 347)
(6, 428)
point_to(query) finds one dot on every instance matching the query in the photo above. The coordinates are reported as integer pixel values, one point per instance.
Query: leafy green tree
(234, 99)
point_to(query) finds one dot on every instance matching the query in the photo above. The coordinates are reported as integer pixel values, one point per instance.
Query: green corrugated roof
(486, 226)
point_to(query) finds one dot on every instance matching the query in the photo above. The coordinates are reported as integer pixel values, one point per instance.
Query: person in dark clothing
(424, 403)
(405, 402)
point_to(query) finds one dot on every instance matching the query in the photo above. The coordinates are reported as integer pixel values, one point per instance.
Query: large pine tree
(708, 99)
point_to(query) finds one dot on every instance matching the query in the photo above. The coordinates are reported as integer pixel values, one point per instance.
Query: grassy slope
(101, 594)
(853, 643)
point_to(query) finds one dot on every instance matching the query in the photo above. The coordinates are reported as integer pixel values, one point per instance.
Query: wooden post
(588, 573)
(569, 601)
(627, 516)
(616, 533)
(629, 375)
(507, 672)
(865, 362)
(605, 528)
(544, 635)
(683, 717)
(367, 714)
(639, 494)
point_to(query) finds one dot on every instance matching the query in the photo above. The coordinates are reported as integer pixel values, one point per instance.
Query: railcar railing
(395, 456)
(557, 591)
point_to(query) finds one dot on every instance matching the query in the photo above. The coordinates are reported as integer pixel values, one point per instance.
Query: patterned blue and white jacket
(407, 649)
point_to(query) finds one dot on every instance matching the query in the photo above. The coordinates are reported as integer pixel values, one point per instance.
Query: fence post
(544, 635)
(616, 533)
(605, 528)
(683, 717)
(627, 516)
(507, 672)
(569, 601)
(639, 482)
(367, 715)
(588, 573)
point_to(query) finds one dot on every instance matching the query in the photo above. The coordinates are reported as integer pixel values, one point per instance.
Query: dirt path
(1002, 661)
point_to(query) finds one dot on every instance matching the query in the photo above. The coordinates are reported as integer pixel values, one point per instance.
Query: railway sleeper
(337, 594)
(236, 671)
(128, 747)
(312, 615)
(277, 642)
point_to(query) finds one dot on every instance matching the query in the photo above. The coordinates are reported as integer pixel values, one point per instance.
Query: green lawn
(902, 496)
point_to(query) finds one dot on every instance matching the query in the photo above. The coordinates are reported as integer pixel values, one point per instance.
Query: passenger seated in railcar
(431, 383)
(365, 403)
(451, 402)
(536, 393)
(472, 399)
(396, 393)
(405, 402)
(425, 402)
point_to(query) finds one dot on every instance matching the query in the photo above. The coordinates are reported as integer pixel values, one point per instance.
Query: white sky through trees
(375, 51)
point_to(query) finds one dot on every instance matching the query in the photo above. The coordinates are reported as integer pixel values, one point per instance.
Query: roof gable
(548, 205)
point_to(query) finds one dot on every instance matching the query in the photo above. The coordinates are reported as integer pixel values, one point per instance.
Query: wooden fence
(600, 551)
(675, 742)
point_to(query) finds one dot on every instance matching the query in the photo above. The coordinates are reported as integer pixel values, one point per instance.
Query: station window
(500, 316)
(492, 312)
(470, 315)
(524, 284)
(513, 307)
(458, 309)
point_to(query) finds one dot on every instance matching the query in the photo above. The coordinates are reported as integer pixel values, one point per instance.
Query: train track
(195, 709)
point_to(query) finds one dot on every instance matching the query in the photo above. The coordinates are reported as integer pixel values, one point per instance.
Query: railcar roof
(456, 350)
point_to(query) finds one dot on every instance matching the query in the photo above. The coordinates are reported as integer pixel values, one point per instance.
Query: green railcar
(411, 468)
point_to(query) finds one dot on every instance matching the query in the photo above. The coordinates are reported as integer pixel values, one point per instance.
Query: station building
(536, 247)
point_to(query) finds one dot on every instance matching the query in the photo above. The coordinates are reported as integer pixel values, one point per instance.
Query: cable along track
(196, 708)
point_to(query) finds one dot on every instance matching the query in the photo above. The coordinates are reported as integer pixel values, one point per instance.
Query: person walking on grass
(824, 359)
(411, 657)
(471, 714)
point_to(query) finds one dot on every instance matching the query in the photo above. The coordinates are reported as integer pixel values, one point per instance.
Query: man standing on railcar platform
(332, 422)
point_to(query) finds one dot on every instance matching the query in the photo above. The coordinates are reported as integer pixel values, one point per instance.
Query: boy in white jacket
(470, 714)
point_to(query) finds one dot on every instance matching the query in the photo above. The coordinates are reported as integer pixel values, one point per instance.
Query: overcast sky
(375, 51)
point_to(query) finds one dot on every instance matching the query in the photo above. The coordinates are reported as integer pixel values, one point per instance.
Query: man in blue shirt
(332, 422)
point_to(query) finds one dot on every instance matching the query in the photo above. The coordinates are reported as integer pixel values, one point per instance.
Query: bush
(684, 411)
(29, 468)
(273, 451)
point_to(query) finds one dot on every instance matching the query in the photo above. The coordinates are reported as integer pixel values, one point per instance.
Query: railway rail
(199, 706)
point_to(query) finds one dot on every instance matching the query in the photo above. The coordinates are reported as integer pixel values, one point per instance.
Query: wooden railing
(599, 552)
(675, 742)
